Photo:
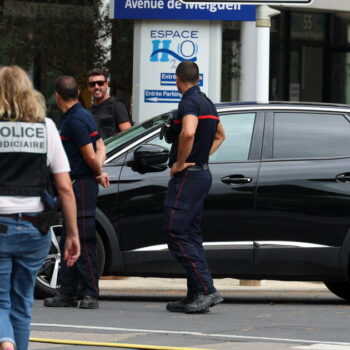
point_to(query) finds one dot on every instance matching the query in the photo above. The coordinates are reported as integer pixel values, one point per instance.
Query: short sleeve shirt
(196, 103)
(78, 129)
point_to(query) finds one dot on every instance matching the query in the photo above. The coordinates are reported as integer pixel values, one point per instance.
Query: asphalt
(158, 287)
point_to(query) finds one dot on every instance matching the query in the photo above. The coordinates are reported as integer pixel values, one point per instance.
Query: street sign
(177, 10)
(253, 2)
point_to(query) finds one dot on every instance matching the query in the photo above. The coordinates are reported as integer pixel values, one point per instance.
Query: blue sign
(169, 79)
(174, 9)
(162, 96)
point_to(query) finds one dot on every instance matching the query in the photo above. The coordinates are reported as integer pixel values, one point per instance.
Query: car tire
(46, 283)
(340, 289)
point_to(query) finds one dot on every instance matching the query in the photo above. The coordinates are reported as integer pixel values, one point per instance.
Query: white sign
(253, 2)
(160, 47)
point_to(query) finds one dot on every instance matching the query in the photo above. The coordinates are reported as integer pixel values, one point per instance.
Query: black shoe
(88, 302)
(177, 306)
(61, 300)
(202, 303)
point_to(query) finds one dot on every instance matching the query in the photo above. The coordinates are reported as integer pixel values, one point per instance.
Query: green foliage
(56, 37)
(53, 38)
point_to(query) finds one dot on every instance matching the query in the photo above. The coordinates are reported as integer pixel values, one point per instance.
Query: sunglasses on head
(98, 82)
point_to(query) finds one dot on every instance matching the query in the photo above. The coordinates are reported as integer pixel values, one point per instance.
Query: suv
(279, 206)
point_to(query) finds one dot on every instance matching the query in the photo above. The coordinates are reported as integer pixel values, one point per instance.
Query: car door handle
(236, 180)
(344, 178)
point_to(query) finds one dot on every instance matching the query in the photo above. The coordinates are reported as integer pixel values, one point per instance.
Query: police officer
(199, 134)
(30, 152)
(86, 154)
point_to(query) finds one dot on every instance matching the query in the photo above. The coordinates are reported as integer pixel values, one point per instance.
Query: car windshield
(132, 133)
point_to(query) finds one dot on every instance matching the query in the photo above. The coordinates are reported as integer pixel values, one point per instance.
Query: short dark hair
(97, 71)
(67, 87)
(188, 72)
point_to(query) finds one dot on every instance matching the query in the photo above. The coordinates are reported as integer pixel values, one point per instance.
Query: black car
(279, 206)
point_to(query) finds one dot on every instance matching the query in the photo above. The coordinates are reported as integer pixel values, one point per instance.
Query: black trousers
(183, 209)
(84, 272)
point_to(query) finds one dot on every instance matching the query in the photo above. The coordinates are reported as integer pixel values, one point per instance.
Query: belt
(19, 216)
(83, 176)
(198, 167)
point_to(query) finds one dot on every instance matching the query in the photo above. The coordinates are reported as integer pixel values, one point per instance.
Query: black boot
(61, 300)
(88, 302)
(179, 305)
(202, 303)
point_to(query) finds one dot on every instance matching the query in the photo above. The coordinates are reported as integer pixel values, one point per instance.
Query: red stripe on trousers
(178, 243)
(85, 245)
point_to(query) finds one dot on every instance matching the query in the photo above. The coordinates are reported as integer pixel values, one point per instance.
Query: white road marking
(322, 347)
(200, 334)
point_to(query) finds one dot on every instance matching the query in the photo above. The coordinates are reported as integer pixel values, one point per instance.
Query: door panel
(302, 209)
(228, 217)
(228, 222)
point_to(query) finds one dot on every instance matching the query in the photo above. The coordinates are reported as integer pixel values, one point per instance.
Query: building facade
(310, 53)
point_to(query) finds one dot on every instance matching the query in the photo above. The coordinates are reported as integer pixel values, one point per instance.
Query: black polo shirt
(77, 130)
(196, 103)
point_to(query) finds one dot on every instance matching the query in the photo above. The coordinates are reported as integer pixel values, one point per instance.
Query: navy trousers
(183, 208)
(84, 272)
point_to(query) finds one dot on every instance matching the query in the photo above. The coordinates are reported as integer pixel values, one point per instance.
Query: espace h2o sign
(253, 2)
(186, 48)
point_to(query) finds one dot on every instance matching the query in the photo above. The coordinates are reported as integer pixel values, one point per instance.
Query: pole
(263, 25)
(248, 62)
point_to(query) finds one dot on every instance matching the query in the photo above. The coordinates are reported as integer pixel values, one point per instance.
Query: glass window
(301, 135)
(238, 130)
(133, 133)
(160, 142)
(340, 81)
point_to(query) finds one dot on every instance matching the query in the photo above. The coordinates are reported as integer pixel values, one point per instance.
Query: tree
(53, 37)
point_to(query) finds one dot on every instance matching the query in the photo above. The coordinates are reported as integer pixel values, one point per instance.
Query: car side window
(160, 142)
(310, 135)
(238, 130)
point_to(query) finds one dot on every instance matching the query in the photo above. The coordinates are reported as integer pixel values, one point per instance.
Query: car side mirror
(148, 155)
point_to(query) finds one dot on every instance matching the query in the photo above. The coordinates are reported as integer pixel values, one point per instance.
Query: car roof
(282, 105)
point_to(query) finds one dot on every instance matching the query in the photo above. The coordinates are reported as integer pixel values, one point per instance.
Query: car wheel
(340, 289)
(47, 280)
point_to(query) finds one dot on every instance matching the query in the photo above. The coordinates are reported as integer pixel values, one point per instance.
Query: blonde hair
(18, 99)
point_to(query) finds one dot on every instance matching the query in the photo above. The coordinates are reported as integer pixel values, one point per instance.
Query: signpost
(167, 32)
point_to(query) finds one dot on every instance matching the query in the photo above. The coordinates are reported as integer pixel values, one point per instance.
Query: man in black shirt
(199, 134)
(110, 114)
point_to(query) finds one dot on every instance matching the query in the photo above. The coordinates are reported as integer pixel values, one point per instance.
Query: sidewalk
(149, 286)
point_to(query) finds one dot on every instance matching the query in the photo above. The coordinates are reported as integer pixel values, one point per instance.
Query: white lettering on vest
(22, 137)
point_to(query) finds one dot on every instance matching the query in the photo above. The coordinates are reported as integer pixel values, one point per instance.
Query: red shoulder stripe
(208, 117)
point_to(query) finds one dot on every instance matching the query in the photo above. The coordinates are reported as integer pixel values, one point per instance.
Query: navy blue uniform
(187, 191)
(78, 129)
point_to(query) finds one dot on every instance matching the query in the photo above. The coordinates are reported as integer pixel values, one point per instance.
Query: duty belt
(198, 167)
(19, 216)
